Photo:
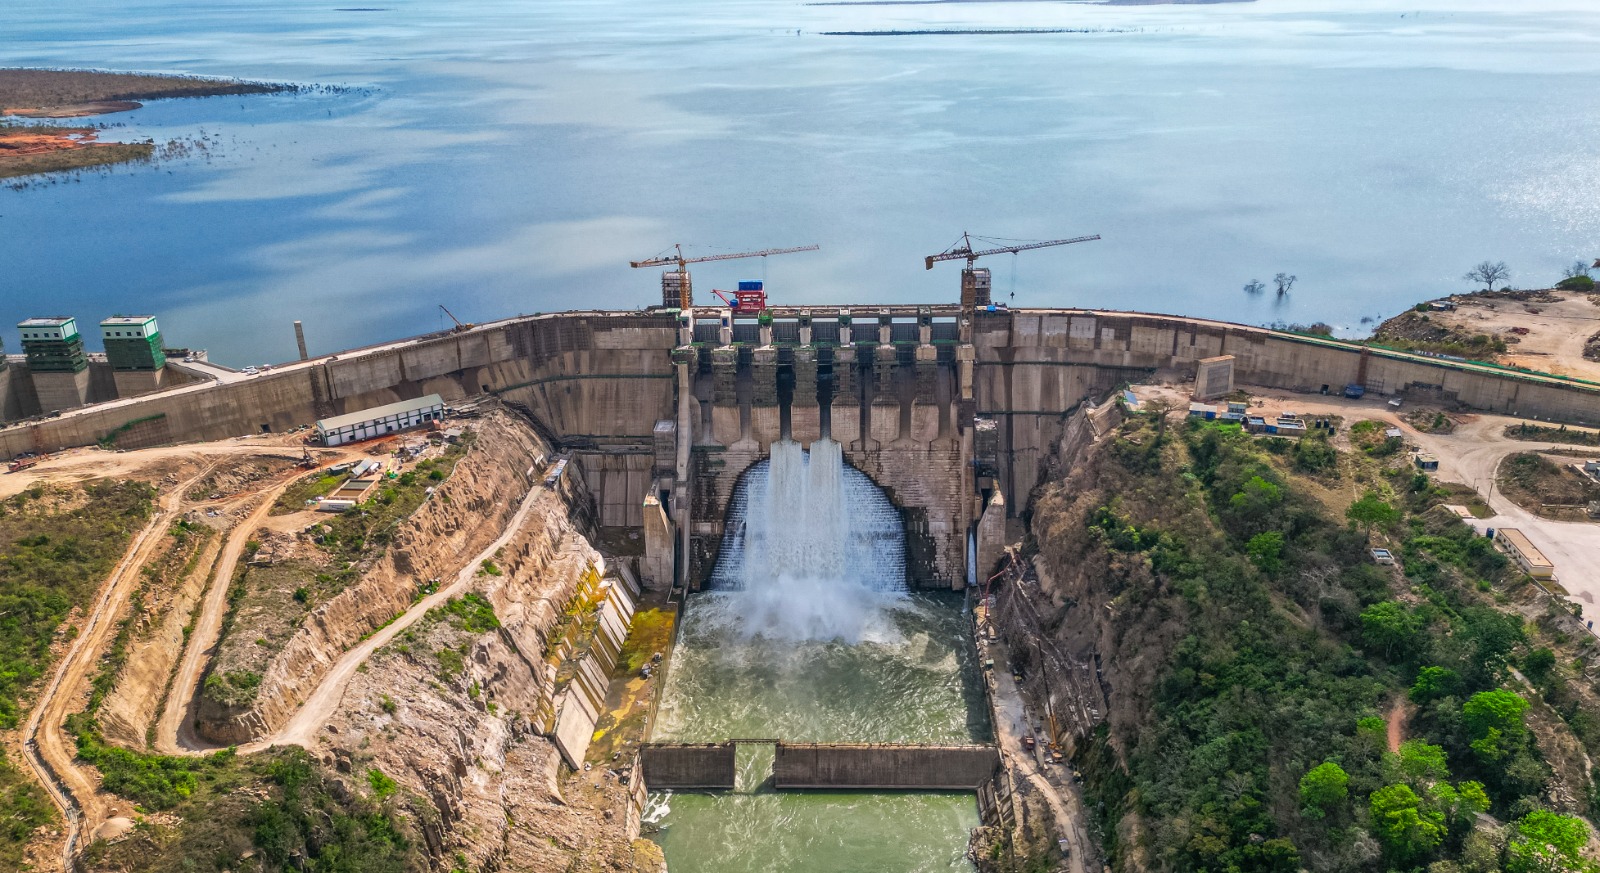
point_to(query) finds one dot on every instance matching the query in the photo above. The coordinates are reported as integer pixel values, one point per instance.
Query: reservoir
(502, 157)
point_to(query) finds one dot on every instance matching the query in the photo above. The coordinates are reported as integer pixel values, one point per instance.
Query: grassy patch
(23, 808)
(1368, 436)
(294, 498)
(1545, 487)
(651, 633)
(82, 158)
(280, 807)
(51, 561)
(366, 530)
(1539, 433)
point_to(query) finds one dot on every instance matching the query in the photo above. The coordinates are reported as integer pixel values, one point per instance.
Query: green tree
(1494, 720)
(1423, 763)
(1548, 843)
(1266, 551)
(1538, 664)
(1404, 826)
(1392, 627)
(1495, 710)
(1256, 501)
(1323, 789)
(1459, 804)
(1371, 511)
(1433, 683)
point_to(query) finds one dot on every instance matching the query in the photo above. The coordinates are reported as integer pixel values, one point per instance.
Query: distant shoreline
(27, 149)
(974, 31)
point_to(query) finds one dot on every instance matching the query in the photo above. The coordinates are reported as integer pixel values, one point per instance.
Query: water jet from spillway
(813, 551)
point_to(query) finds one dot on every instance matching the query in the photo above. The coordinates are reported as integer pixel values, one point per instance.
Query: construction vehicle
(676, 290)
(750, 298)
(460, 326)
(23, 463)
(975, 284)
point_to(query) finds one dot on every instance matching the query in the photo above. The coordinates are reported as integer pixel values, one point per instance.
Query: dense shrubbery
(291, 815)
(1264, 748)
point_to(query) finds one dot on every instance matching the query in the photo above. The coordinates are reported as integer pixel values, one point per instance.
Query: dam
(951, 409)
(809, 496)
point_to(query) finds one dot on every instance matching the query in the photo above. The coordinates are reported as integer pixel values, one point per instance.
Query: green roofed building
(52, 345)
(133, 342)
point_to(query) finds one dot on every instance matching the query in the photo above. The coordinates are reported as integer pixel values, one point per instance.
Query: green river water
(911, 678)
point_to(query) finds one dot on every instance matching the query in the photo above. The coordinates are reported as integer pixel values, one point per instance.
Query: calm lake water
(503, 157)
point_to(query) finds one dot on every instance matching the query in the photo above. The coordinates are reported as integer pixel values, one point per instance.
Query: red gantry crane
(676, 290)
(974, 280)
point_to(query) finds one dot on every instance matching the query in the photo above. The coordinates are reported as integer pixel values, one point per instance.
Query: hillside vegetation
(56, 546)
(1256, 656)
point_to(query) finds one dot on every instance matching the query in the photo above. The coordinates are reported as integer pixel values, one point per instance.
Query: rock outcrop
(470, 509)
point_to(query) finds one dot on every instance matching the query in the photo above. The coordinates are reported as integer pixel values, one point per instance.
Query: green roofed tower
(133, 342)
(52, 345)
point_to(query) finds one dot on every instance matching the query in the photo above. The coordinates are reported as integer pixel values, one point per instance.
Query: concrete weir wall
(880, 766)
(688, 765)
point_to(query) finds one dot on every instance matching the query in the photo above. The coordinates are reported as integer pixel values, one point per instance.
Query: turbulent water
(809, 635)
(813, 551)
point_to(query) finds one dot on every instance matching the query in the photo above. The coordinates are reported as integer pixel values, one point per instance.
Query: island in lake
(27, 149)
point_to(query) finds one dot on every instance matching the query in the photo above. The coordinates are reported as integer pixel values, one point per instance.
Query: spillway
(808, 633)
(813, 549)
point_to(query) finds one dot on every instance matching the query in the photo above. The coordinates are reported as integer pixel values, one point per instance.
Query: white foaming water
(813, 548)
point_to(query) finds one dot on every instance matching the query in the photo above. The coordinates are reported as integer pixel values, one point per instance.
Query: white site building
(379, 420)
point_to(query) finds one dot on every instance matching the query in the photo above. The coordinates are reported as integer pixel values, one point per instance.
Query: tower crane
(675, 287)
(975, 280)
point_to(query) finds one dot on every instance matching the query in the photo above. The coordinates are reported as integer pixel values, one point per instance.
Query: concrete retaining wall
(688, 765)
(823, 765)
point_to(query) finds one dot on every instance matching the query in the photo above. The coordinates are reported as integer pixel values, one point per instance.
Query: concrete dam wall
(884, 766)
(951, 414)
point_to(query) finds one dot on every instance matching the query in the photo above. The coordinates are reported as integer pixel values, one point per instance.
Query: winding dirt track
(48, 751)
(319, 706)
(175, 729)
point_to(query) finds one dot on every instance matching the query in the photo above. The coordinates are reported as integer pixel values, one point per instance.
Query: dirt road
(319, 706)
(1471, 455)
(1012, 723)
(50, 753)
(175, 729)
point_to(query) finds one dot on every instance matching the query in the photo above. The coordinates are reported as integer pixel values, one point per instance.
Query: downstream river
(910, 679)
(510, 156)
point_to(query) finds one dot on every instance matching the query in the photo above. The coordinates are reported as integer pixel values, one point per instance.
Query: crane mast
(975, 286)
(676, 289)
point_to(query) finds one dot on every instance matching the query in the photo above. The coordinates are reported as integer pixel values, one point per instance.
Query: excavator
(460, 326)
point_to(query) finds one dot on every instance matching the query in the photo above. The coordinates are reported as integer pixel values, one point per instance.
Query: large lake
(508, 157)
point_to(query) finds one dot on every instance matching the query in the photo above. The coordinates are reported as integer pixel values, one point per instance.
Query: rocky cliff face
(448, 711)
(467, 513)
